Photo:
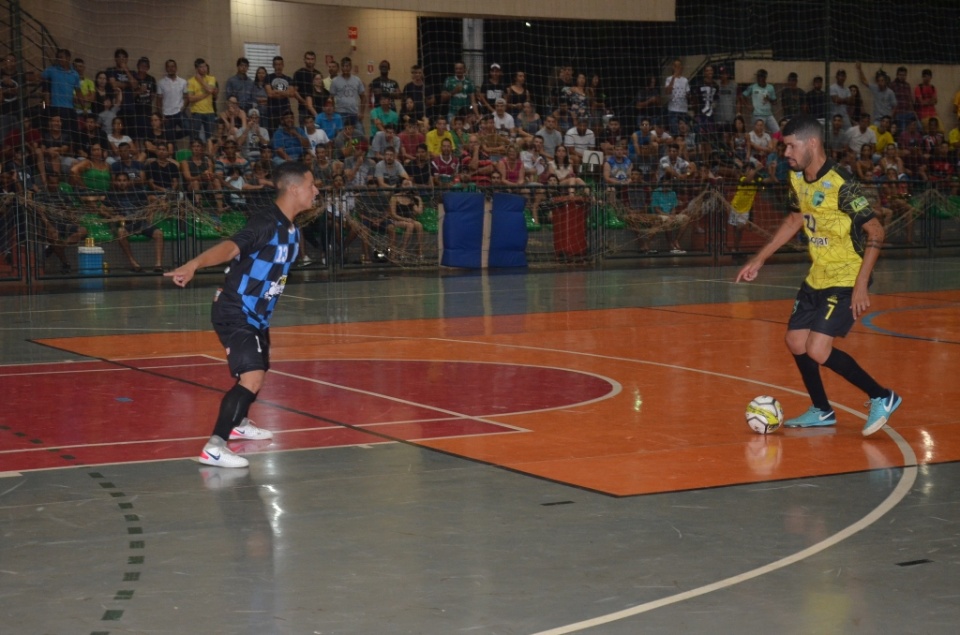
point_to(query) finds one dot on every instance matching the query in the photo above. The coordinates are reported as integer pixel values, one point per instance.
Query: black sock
(842, 364)
(810, 373)
(233, 408)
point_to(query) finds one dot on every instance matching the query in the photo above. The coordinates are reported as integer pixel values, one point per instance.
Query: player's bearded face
(798, 154)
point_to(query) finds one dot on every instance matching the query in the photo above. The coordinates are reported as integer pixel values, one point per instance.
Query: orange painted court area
(621, 401)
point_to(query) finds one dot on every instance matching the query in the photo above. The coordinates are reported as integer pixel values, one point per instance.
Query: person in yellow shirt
(884, 137)
(88, 89)
(953, 138)
(202, 92)
(844, 240)
(436, 136)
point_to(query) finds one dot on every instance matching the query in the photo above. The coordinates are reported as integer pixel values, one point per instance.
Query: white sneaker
(246, 430)
(221, 456)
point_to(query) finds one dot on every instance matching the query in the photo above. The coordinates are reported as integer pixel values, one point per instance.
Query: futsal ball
(764, 415)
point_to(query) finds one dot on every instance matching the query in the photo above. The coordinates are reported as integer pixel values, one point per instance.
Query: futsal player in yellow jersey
(844, 243)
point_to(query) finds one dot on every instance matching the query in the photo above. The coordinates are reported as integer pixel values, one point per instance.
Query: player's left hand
(860, 302)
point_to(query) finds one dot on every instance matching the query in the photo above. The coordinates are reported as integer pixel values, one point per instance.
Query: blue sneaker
(812, 418)
(880, 410)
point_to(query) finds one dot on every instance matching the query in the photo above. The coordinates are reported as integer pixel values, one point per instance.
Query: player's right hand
(181, 275)
(749, 271)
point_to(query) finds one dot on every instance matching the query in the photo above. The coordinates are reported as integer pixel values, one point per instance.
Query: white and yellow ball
(764, 415)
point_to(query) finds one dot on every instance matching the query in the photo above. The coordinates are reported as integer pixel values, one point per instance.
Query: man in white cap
(492, 89)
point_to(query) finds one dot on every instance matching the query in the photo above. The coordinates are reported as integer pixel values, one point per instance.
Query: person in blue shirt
(329, 121)
(61, 86)
(289, 142)
(260, 256)
(664, 202)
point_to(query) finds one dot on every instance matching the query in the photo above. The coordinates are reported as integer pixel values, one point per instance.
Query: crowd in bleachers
(126, 130)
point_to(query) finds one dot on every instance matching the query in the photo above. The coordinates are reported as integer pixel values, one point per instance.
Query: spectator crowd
(126, 139)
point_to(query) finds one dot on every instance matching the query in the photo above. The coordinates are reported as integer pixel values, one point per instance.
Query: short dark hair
(243, 60)
(119, 52)
(289, 171)
(803, 127)
(277, 58)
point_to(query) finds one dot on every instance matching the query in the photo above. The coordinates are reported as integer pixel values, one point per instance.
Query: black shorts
(248, 347)
(826, 311)
(140, 228)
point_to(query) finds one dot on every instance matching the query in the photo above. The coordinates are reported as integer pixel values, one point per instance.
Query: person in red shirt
(925, 97)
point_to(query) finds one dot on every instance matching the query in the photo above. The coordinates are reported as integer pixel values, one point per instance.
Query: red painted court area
(623, 401)
(163, 408)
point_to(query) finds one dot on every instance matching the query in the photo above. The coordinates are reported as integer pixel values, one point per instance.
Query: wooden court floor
(609, 400)
(618, 384)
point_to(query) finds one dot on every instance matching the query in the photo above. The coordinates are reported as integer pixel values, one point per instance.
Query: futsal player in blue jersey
(260, 256)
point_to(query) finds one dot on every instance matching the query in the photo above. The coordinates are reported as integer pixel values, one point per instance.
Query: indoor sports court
(510, 454)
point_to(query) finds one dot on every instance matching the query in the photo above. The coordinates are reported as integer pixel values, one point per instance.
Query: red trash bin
(570, 227)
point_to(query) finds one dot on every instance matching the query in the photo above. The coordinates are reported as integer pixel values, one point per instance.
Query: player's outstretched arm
(787, 230)
(218, 254)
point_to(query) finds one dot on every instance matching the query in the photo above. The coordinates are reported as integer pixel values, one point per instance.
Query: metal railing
(47, 235)
(27, 38)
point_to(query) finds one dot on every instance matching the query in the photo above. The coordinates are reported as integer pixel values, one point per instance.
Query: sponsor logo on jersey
(276, 289)
(818, 198)
(859, 204)
(820, 241)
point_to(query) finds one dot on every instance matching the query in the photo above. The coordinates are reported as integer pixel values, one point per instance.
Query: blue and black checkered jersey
(255, 279)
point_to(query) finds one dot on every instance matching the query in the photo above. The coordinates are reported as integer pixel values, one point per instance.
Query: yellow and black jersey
(834, 211)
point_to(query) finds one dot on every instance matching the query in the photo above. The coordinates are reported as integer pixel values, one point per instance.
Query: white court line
(339, 298)
(899, 492)
(266, 450)
(903, 488)
(615, 387)
(70, 372)
(407, 402)
(114, 369)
